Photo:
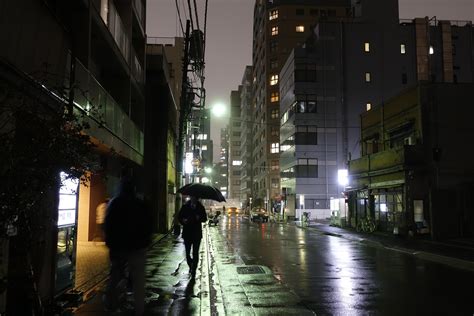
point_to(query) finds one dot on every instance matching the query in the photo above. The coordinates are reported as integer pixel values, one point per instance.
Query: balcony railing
(91, 97)
(408, 155)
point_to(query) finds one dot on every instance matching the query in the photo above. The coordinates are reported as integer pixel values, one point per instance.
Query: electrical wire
(196, 13)
(205, 29)
(179, 17)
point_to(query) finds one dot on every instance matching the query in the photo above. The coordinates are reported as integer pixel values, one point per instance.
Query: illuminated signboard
(67, 208)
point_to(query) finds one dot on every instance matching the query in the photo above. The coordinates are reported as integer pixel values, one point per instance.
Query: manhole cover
(250, 270)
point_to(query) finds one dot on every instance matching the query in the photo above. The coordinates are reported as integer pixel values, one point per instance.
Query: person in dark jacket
(127, 234)
(191, 215)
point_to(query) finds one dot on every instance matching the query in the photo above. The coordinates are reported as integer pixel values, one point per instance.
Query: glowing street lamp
(218, 109)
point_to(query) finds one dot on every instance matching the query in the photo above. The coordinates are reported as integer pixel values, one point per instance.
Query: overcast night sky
(229, 37)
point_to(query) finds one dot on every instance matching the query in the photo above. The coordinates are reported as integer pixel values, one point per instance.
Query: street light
(218, 109)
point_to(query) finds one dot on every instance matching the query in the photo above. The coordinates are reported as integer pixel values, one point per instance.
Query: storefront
(389, 210)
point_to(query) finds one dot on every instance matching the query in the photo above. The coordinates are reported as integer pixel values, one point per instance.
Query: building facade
(235, 153)
(199, 145)
(415, 174)
(347, 67)
(221, 169)
(92, 56)
(163, 90)
(279, 26)
(246, 138)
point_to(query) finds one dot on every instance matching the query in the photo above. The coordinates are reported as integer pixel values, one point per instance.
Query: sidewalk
(223, 285)
(456, 253)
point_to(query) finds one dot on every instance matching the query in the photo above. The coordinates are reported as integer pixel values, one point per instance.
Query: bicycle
(305, 219)
(366, 225)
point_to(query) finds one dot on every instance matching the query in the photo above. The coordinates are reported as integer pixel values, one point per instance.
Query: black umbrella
(202, 191)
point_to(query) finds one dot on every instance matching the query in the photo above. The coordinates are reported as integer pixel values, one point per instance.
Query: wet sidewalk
(169, 287)
(455, 253)
(223, 285)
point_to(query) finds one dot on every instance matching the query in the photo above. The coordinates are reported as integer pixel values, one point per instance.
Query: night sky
(229, 37)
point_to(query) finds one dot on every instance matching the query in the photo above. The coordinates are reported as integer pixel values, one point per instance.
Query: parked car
(259, 213)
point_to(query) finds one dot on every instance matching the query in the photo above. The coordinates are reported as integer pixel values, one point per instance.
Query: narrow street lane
(335, 276)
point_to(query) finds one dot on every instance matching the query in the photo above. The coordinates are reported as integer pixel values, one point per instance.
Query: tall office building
(279, 26)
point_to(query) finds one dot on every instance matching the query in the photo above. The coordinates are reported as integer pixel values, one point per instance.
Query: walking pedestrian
(191, 215)
(127, 234)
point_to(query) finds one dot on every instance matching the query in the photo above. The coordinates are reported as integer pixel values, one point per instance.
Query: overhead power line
(179, 17)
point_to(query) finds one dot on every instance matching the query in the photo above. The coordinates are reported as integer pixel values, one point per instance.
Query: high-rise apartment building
(279, 26)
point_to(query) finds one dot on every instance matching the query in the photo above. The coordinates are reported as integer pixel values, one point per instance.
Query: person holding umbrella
(190, 216)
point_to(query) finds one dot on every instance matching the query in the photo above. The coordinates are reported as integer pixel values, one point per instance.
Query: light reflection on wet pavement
(335, 276)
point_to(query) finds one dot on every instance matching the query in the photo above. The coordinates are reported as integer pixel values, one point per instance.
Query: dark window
(306, 135)
(314, 12)
(404, 78)
(273, 46)
(302, 138)
(307, 168)
(332, 13)
(305, 75)
(299, 11)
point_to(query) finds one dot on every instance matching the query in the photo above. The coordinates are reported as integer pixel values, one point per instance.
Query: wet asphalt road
(336, 276)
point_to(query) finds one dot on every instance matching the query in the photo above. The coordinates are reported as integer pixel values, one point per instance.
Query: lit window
(369, 106)
(431, 50)
(274, 97)
(202, 136)
(402, 49)
(273, 80)
(366, 47)
(367, 77)
(300, 29)
(274, 30)
(273, 15)
(275, 148)
(204, 147)
(236, 162)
